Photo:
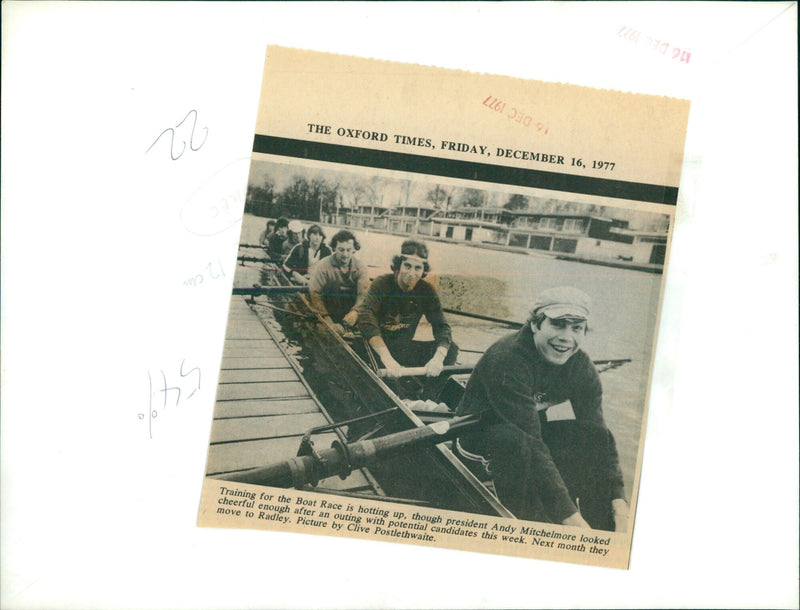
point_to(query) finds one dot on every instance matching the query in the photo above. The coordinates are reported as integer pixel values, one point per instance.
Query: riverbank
(616, 263)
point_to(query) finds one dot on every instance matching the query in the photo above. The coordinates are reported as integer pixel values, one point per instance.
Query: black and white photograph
(362, 306)
(442, 341)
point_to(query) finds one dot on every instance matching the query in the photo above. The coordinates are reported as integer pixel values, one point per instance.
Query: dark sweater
(393, 314)
(512, 382)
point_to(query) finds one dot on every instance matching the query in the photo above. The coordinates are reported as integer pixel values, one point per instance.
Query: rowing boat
(358, 406)
(402, 450)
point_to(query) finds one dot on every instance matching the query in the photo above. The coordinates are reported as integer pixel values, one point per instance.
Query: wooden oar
(607, 365)
(262, 290)
(419, 371)
(341, 459)
(460, 369)
(289, 311)
(456, 369)
(478, 316)
(256, 259)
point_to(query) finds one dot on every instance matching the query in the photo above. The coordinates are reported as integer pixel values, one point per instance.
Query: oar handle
(419, 371)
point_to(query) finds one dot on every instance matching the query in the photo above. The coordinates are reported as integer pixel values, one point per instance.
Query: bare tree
(354, 192)
(260, 199)
(472, 198)
(439, 197)
(374, 190)
(517, 202)
(544, 206)
(308, 199)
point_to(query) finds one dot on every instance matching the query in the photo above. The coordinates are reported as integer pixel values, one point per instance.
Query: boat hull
(348, 388)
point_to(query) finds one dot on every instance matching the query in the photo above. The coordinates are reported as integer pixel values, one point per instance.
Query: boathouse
(362, 216)
(579, 236)
(586, 236)
(408, 219)
(478, 225)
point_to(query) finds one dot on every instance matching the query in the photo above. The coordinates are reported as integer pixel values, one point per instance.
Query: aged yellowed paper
(444, 312)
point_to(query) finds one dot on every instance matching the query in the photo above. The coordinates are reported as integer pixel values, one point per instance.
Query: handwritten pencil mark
(167, 390)
(189, 373)
(199, 278)
(153, 411)
(171, 130)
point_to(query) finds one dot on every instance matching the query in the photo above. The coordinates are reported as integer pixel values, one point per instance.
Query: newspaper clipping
(444, 312)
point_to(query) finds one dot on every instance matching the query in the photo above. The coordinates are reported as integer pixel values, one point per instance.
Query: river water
(505, 284)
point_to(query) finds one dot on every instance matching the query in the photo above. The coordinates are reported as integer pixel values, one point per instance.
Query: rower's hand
(619, 508)
(434, 367)
(576, 520)
(337, 328)
(351, 318)
(393, 368)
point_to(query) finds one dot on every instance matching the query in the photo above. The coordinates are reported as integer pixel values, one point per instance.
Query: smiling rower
(543, 435)
(339, 282)
(393, 308)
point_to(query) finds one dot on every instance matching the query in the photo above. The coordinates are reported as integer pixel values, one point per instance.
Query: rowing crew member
(339, 283)
(550, 454)
(393, 308)
(303, 256)
(294, 236)
(263, 239)
(275, 243)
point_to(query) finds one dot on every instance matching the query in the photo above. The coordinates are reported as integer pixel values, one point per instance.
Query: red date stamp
(655, 44)
(514, 114)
